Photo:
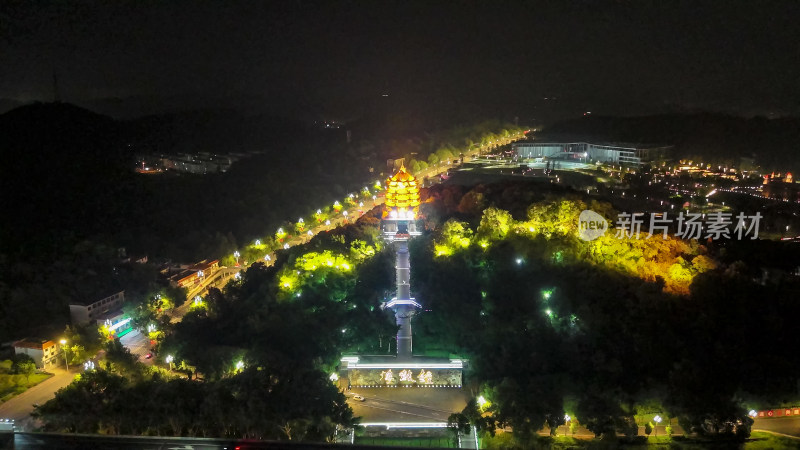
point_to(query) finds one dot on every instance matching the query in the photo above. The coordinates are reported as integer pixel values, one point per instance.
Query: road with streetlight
(20, 407)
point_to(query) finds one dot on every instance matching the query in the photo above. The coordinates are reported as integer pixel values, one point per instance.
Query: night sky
(620, 57)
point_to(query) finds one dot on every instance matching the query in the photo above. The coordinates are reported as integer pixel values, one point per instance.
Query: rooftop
(34, 343)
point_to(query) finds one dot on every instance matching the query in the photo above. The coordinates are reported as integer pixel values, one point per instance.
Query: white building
(83, 313)
(43, 351)
(627, 154)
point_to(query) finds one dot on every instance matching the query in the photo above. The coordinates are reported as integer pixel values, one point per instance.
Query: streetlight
(240, 365)
(169, 360)
(657, 420)
(63, 347)
(567, 418)
(236, 255)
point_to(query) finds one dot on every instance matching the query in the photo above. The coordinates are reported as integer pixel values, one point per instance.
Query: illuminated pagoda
(398, 225)
(401, 207)
(400, 212)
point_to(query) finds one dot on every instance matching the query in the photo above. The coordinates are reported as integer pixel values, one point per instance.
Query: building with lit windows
(84, 313)
(621, 154)
(195, 274)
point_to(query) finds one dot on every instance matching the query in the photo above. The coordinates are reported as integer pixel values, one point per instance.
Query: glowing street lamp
(63, 343)
(567, 418)
(236, 255)
(549, 312)
(169, 360)
(657, 420)
(88, 365)
(752, 413)
(240, 365)
(258, 241)
(482, 401)
(546, 294)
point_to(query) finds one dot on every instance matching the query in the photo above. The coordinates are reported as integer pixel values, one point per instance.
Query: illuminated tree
(495, 224)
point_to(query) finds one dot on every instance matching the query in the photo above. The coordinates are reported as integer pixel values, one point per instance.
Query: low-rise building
(195, 274)
(626, 154)
(114, 323)
(43, 351)
(84, 313)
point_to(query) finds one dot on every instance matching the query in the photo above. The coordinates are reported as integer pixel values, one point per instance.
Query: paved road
(20, 407)
(407, 404)
(784, 425)
(48, 441)
(139, 344)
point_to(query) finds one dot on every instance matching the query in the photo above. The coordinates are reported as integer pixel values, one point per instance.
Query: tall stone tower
(398, 225)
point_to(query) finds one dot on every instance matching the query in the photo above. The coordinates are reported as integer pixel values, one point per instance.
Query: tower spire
(399, 225)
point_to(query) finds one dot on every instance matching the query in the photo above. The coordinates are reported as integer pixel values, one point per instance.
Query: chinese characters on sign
(717, 225)
(388, 376)
(407, 376)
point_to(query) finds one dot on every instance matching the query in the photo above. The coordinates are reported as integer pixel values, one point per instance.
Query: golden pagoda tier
(402, 196)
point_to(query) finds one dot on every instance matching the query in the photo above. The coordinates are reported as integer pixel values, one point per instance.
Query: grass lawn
(11, 385)
(758, 441)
